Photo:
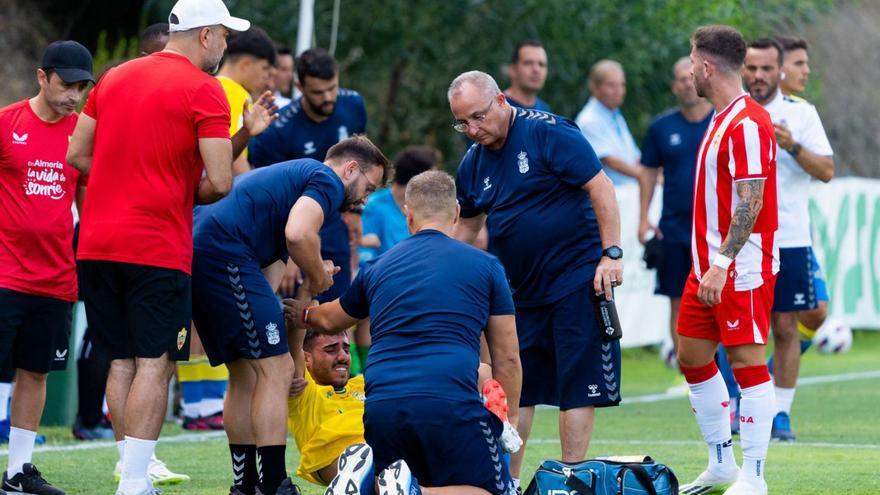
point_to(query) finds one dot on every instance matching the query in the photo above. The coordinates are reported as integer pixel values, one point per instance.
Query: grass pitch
(835, 417)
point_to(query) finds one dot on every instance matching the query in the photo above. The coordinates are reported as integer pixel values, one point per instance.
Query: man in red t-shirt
(37, 270)
(729, 292)
(148, 130)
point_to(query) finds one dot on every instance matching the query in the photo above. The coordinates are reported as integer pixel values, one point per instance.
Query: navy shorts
(235, 310)
(564, 361)
(674, 271)
(34, 333)
(443, 442)
(795, 290)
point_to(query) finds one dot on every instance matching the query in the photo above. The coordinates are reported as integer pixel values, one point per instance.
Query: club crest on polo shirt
(272, 335)
(522, 160)
(181, 338)
(674, 139)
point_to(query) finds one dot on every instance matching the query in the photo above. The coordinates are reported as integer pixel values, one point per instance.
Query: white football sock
(710, 402)
(21, 449)
(757, 408)
(134, 465)
(210, 407)
(784, 398)
(5, 392)
(120, 448)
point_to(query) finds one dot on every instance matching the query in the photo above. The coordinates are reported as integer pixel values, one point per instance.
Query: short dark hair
(765, 43)
(315, 62)
(724, 43)
(413, 160)
(254, 42)
(791, 43)
(309, 339)
(152, 35)
(514, 58)
(360, 149)
(283, 49)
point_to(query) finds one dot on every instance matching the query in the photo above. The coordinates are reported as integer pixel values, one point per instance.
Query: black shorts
(137, 311)
(34, 333)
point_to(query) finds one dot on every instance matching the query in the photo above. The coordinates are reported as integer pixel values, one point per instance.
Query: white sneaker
(354, 475)
(397, 479)
(160, 474)
(157, 471)
(747, 488)
(709, 482)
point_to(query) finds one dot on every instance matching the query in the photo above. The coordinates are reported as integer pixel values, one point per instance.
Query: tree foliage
(402, 54)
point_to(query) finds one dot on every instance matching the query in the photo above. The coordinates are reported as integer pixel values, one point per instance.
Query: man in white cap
(145, 151)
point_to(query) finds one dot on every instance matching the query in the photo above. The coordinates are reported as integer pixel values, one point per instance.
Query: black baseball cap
(70, 60)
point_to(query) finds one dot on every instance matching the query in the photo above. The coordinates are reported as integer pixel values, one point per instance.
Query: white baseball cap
(191, 14)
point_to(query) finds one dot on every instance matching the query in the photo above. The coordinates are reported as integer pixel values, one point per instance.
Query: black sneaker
(29, 481)
(234, 490)
(285, 488)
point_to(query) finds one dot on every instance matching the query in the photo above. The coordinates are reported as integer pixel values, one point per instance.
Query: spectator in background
(282, 80)
(672, 143)
(38, 277)
(604, 126)
(153, 39)
(244, 75)
(528, 72)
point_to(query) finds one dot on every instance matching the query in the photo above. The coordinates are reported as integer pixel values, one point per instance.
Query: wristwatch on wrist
(613, 252)
(795, 150)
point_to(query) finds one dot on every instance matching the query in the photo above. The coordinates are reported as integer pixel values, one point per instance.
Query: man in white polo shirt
(804, 153)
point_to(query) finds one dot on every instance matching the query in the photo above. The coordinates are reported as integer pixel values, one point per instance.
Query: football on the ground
(833, 337)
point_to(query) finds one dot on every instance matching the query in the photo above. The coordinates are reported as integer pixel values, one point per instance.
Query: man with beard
(307, 128)
(803, 153)
(729, 293)
(528, 72)
(148, 130)
(273, 213)
(37, 271)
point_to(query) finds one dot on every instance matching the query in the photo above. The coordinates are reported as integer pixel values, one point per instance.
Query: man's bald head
(480, 81)
(608, 83)
(603, 70)
(430, 196)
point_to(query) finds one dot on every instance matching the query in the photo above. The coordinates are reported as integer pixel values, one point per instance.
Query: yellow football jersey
(323, 422)
(237, 97)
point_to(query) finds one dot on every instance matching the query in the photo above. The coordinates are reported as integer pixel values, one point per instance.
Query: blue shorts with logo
(673, 272)
(235, 310)
(564, 361)
(443, 442)
(795, 290)
(819, 280)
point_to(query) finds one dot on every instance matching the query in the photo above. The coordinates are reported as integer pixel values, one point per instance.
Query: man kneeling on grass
(423, 419)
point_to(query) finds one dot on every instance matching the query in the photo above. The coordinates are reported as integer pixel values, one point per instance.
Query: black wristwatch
(613, 252)
(795, 150)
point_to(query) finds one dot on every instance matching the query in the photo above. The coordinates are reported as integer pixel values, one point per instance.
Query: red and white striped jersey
(740, 144)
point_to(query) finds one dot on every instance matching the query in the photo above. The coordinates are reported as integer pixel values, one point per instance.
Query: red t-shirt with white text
(37, 189)
(150, 113)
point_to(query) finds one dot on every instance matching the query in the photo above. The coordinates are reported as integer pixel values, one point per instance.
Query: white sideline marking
(639, 399)
(829, 445)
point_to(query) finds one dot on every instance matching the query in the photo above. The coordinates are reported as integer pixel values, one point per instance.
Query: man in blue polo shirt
(429, 300)
(672, 143)
(553, 221)
(528, 72)
(324, 115)
(273, 213)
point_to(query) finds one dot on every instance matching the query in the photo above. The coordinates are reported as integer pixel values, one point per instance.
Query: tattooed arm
(751, 199)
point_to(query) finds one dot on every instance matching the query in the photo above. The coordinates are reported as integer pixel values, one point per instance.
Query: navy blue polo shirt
(428, 299)
(541, 222)
(248, 224)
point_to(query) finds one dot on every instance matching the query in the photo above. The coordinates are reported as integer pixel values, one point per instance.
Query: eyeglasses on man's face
(476, 119)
